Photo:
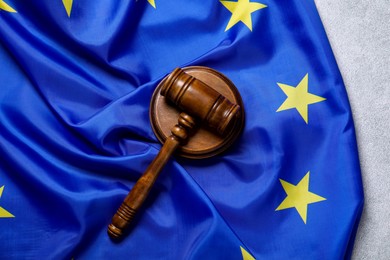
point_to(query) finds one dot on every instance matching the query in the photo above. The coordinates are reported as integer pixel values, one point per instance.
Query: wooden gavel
(200, 103)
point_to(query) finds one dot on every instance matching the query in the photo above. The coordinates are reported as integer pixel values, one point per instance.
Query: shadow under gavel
(201, 104)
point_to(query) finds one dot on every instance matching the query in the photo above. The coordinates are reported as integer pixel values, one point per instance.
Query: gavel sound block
(196, 112)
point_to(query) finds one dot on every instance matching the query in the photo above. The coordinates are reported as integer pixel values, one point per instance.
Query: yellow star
(241, 11)
(246, 255)
(299, 98)
(68, 6)
(152, 3)
(299, 196)
(3, 212)
(4, 6)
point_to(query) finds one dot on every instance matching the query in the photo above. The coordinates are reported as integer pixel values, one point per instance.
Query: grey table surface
(359, 33)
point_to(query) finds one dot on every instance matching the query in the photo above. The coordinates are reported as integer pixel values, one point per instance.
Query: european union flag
(76, 82)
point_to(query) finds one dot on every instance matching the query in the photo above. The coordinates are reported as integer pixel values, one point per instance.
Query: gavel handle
(140, 191)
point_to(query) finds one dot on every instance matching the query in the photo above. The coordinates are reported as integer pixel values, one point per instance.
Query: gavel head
(201, 101)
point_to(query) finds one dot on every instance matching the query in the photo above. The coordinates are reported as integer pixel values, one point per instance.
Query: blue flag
(76, 81)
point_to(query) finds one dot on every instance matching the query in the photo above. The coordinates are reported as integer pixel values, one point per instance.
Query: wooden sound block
(203, 143)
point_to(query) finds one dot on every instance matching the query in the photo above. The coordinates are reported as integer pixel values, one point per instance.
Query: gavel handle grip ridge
(140, 191)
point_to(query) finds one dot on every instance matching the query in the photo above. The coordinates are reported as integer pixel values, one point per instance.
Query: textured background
(359, 33)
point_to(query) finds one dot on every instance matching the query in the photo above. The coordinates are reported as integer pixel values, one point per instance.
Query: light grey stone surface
(359, 33)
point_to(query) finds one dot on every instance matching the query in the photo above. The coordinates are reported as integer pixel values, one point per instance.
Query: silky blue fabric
(75, 133)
